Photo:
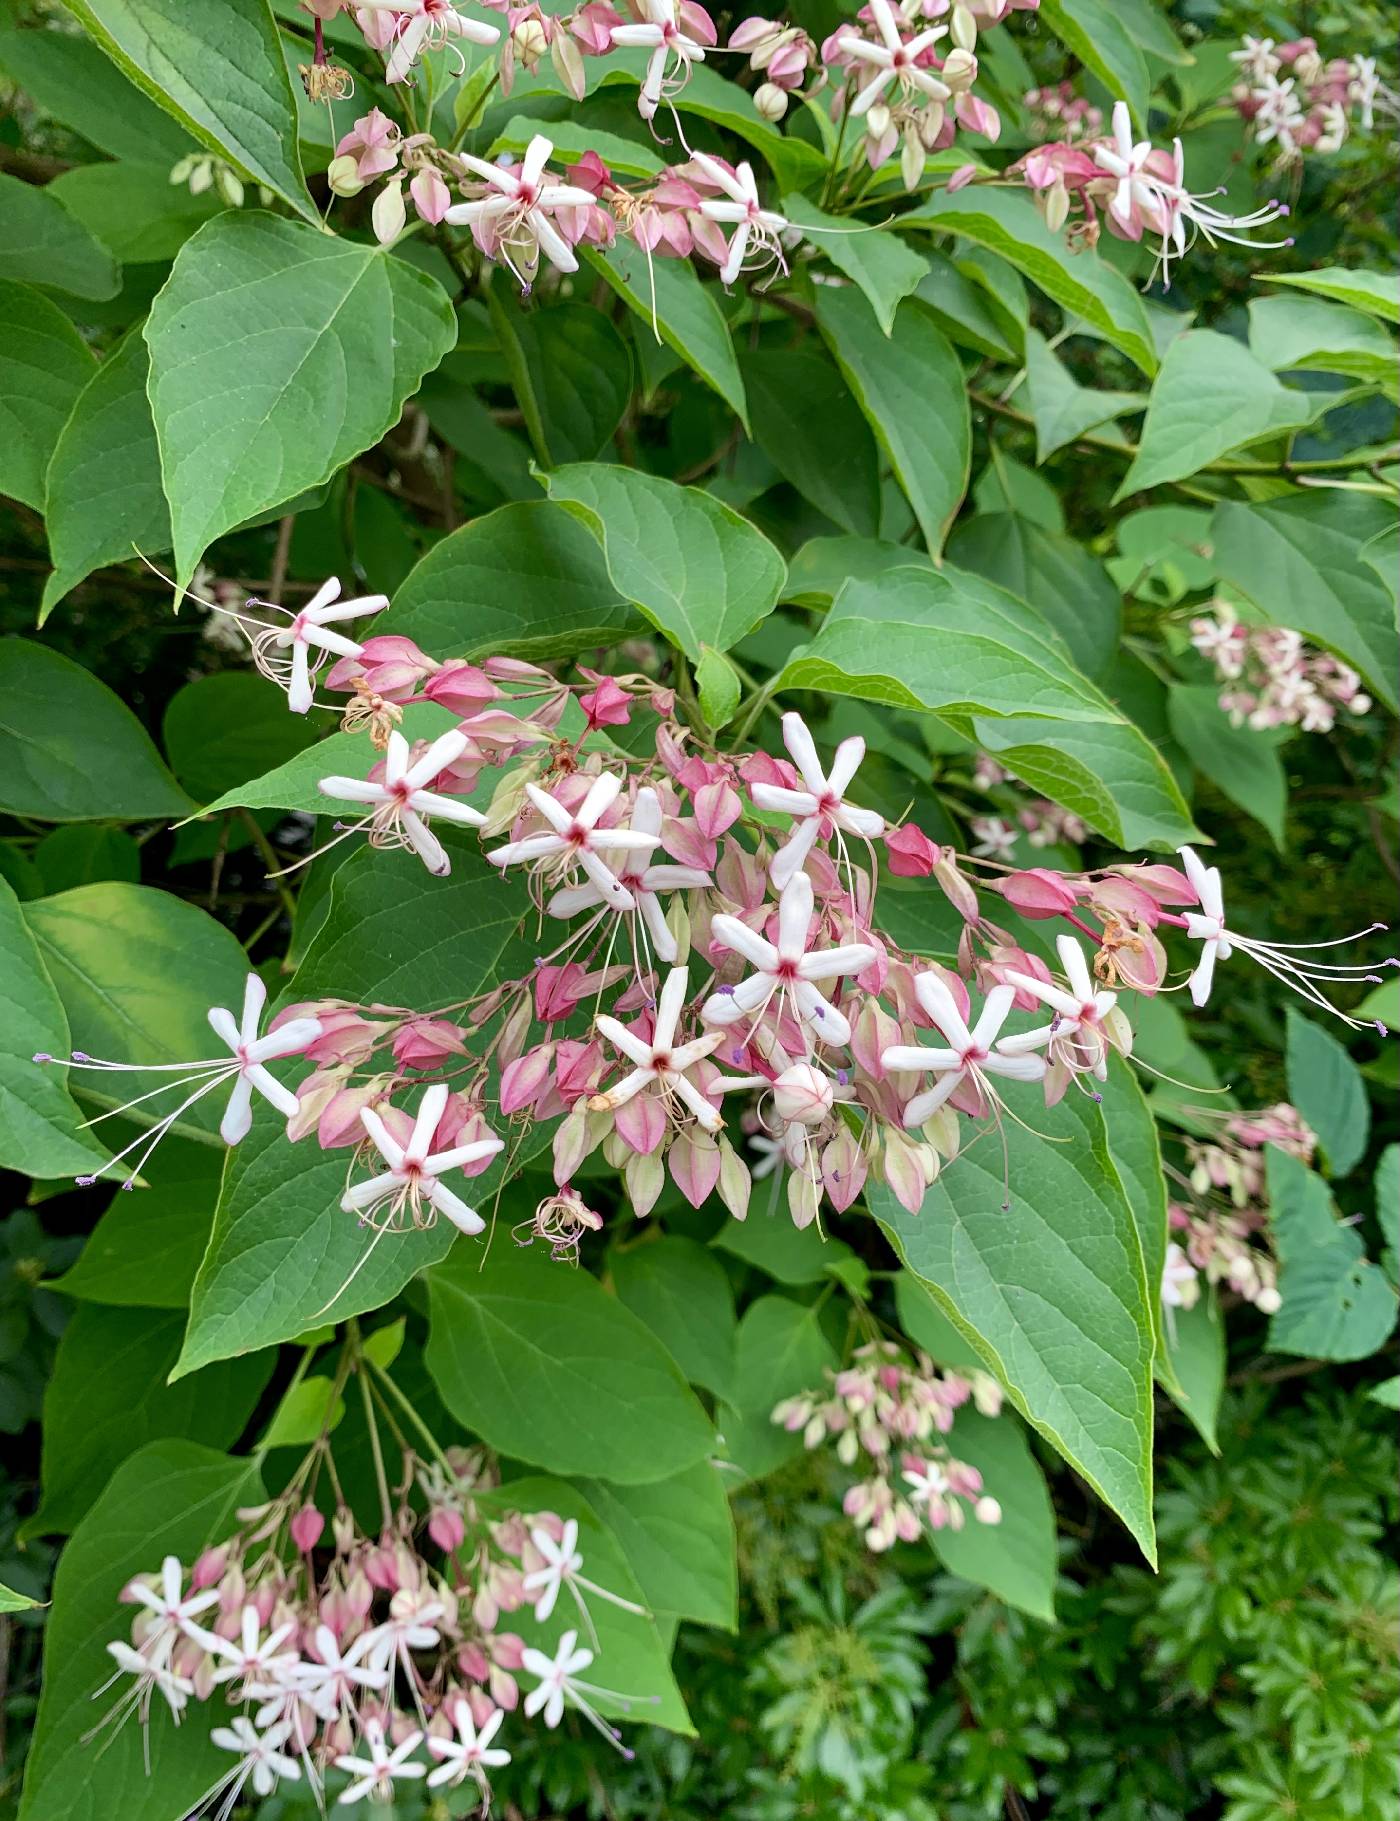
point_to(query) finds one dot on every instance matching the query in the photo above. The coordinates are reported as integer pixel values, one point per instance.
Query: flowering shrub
(724, 937)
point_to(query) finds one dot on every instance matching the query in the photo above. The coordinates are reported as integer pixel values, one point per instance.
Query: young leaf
(910, 385)
(217, 66)
(698, 571)
(171, 1498)
(249, 417)
(70, 750)
(44, 365)
(1052, 1294)
(107, 1396)
(1336, 1304)
(1376, 292)
(105, 499)
(545, 1367)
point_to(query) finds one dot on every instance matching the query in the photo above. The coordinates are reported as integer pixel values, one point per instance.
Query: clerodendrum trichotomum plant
(753, 962)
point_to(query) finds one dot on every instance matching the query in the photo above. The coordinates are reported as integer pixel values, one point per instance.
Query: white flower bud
(803, 1094)
(1055, 203)
(911, 159)
(388, 214)
(770, 102)
(229, 185)
(962, 30)
(567, 59)
(877, 121)
(987, 1511)
(959, 70)
(529, 42)
(343, 175)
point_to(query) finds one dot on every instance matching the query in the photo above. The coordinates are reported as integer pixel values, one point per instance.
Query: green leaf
(718, 686)
(222, 730)
(1387, 1394)
(219, 69)
(545, 1367)
(814, 433)
(172, 1498)
(909, 383)
(82, 853)
(1299, 558)
(283, 1256)
(678, 1538)
(670, 294)
(925, 1324)
(680, 1291)
(1242, 761)
(107, 1397)
(770, 1241)
(781, 1351)
(1063, 409)
(527, 580)
(39, 1123)
(105, 499)
(1196, 1350)
(1008, 223)
(69, 79)
(697, 570)
(10, 1601)
(295, 783)
(1152, 31)
(963, 311)
(1289, 333)
(309, 1409)
(42, 244)
(1015, 1559)
(249, 416)
(44, 365)
(1051, 1292)
(632, 1658)
(572, 374)
(1326, 1087)
(71, 751)
(145, 1249)
(1103, 42)
(137, 971)
(1378, 293)
(1137, 1157)
(880, 264)
(1211, 396)
(1056, 575)
(1335, 1303)
(134, 209)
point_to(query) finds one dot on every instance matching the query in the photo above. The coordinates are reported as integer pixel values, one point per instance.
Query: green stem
(419, 1425)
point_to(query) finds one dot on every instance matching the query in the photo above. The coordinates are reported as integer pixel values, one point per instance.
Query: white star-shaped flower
(310, 629)
(661, 1062)
(377, 1774)
(402, 801)
(332, 1680)
(659, 32)
(562, 1561)
(425, 25)
(822, 801)
(469, 1754)
(740, 207)
(970, 1055)
(638, 876)
(175, 1609)
(1206, 926)
(787, 969)
(577, 839)
(414, 1175)
(522, 199)
(894, 60)
(1080, 1010)
(555, 1675)
(250, 1657)
(264, 1763)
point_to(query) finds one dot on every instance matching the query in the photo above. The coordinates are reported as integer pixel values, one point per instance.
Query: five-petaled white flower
(251, 1658)
(424, 25)
(264, 1763)
(823, 801)
(377, 1774)
(661, 1061)
(661, 33)
(285, 652)
(1181, 1285)
(894, 60)
(787, 969)
(1137, 195)
(403, 801)
(1079, 1013)
(638, 876)
(578, 841)
(754, 226)
(1207, 925)
(555, 1675)
(152, 1677)
(175, 1609)
(970, 1055)
(517, 212)
(469, 1754)
(332, 1679)
(562, 1562)
(414, 1173)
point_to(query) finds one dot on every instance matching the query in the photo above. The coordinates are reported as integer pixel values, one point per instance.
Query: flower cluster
(887, 1411)
(1137, 189)
(1275, 678)
(1044, 824)
(717, 940)
(1056, 112)
(1297, 100)
(319, 1649)
(1223, 1232)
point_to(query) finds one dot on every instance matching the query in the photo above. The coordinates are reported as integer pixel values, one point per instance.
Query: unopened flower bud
(987, 1511)
(959, 71)
(389, 215)
(962, 30)
(877, 120)
(770, 102)
(567, 59)
(343, 176)
(529, 40)
(306, 1527)
(803, 1094)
